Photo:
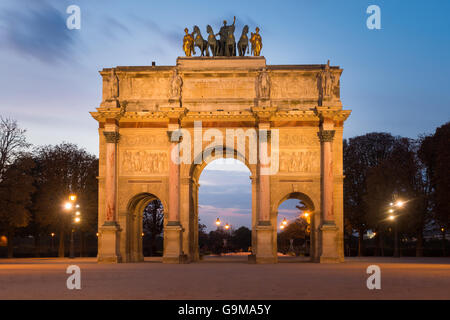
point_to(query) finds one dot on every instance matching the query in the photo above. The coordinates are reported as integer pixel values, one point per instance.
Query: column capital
(169, 135)
(111, 136)
(326, 135)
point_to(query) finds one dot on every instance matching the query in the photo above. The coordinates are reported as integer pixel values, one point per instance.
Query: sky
(395, 79)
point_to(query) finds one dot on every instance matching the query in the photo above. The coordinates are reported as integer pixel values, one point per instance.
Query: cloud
(208, 210)
(113, 28)
(37, 31)
(289, 211)
(173, 38)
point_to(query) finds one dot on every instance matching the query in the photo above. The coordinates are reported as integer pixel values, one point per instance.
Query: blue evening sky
(395, 79)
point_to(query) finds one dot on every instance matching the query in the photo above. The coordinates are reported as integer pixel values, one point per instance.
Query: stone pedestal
(264, 250)
(108, 251)
(172, 244)
(329, 233)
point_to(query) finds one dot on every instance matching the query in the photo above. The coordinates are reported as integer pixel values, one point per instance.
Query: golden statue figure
(188, 43)
(256, 42)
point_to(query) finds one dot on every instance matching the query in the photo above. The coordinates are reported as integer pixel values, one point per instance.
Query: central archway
(195, 173)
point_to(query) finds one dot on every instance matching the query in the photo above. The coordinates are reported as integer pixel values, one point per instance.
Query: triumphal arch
(160, 125)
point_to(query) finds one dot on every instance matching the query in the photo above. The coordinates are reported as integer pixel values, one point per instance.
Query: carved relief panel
(142, 162)
(307, 161)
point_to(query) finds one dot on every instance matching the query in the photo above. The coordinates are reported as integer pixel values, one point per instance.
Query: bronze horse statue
(230, 43)
(213, 44)
(243, 42)
(199, 42)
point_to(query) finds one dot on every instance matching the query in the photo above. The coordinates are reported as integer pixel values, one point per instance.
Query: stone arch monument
(148, 114)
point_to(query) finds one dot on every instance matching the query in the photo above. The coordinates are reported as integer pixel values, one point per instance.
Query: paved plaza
(226, 278)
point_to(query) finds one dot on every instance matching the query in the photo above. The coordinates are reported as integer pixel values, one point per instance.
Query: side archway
(135, 210)
(309, 206)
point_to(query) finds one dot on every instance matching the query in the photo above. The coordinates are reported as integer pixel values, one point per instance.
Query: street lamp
(227, 226)
(69, 206)
(218, 222)
(53, 236)
(399, 204)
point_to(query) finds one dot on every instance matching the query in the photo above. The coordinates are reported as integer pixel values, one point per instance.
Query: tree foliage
(153, 222)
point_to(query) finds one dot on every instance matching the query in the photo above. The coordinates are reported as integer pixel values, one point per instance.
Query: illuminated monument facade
(143, 106)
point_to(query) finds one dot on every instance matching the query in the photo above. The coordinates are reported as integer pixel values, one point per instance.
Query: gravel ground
(401, 278)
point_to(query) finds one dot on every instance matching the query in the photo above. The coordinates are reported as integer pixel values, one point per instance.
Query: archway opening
(294, 225)
(145, 227)
(224, 211)
(152, 229)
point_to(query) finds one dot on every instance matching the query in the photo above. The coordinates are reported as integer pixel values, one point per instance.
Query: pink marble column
(174, 180)
(326, 139)
(111, 137)
(264, 177)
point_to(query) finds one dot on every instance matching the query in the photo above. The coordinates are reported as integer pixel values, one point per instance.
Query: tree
(16, 189)
(360, 154)
(12, 143)
(202, 236)
(64, 169)
(241, 239)
(399, 176)
(153, 222)
(15, 181)
(434, 152)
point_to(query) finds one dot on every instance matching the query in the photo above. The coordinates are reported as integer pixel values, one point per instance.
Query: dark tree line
(35, 183)
(221, 241)
(380, 169)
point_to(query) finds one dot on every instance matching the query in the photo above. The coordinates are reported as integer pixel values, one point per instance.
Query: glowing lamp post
(218, 222)
(76, 215)
(399, 204)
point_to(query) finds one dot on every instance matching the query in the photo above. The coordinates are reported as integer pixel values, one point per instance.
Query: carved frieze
(135, 162)
(147, 140)
(300, 161)
(288, 87)
(296, 139)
